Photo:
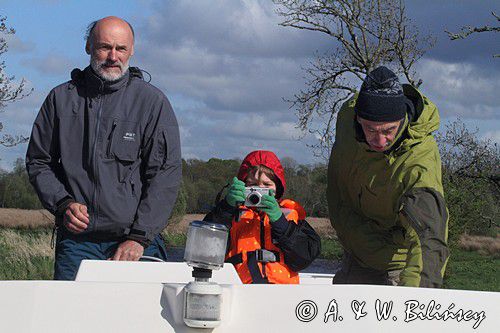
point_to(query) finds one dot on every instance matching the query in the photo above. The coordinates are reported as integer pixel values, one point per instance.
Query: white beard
(97, 66)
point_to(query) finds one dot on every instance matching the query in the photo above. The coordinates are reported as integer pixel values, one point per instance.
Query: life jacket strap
(236, 259)
(261, 255)
(264, 255)
(257, 277)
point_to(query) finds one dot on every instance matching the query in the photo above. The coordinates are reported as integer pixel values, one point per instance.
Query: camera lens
(254, 199)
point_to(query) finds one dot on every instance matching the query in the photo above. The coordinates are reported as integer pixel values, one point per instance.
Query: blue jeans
(71, 250)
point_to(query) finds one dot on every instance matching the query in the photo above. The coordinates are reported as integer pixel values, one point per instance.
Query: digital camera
(253, 196)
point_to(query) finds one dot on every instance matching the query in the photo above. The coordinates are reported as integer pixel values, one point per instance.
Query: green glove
(271, 207)
(236, 192)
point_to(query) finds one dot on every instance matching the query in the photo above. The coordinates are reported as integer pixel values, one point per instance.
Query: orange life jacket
(250, 235)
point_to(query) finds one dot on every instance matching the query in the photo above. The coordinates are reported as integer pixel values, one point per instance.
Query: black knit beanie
(381, 97)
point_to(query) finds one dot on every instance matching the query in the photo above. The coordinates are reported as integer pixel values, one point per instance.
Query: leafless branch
(469, 30)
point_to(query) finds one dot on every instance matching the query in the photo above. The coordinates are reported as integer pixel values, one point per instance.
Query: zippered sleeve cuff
(138, 235)
(144, 242)
(63, 204)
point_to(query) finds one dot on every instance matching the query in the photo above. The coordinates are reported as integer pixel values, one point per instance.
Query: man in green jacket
(385, 193)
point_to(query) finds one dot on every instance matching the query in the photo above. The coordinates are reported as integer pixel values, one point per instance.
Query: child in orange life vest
(267, 244)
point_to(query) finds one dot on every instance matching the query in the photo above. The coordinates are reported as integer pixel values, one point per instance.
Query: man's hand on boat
(76, 218)
(128, 250)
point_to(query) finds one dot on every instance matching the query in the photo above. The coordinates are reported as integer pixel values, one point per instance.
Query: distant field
(29, 219)
(321, 225)
(23, 218)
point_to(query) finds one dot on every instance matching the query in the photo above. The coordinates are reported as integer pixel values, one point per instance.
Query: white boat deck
(139, 297)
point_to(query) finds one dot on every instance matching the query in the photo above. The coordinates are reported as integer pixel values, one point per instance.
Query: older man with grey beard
(104, 156)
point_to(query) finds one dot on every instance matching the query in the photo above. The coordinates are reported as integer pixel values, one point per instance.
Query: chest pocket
(123, 146)
(126, 151)
(123, 141)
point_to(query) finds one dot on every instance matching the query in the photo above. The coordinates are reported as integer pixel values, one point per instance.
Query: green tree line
(16, 190)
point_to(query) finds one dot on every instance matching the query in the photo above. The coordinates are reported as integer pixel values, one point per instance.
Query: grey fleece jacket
(114, 147)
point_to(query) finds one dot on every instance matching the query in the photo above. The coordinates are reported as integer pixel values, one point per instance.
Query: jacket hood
(425, 119)
(89, 79)
(268, 159)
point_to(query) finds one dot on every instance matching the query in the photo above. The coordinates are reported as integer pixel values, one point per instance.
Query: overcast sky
(226, 67)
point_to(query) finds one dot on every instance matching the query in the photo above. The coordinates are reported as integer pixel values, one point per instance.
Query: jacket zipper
(110, 139)
(132, 185)
(94, 159)
(414, 222)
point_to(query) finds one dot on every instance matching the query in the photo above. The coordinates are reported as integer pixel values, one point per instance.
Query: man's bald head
(110, 44)
(91, 26)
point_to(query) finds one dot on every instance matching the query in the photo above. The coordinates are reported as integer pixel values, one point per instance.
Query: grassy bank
(25, 254)
(472, 271)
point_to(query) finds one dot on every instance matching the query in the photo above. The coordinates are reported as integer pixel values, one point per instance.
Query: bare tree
(9, 90)
(464, 155)
(471, 177)
(366, 34)
(469, 30)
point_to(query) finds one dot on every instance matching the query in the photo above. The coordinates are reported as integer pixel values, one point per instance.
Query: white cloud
(259, 127)
(461, 89)
(223, 81)
(51, 64)
(493, 136)
(16, 45)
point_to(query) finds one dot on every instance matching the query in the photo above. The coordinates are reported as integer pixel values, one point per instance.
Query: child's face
(260, 179)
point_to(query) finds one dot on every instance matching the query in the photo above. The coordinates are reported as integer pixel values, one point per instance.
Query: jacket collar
(91, 81)
(94, 81)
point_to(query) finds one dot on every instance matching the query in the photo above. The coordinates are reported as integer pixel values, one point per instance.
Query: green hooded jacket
(387, 207)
